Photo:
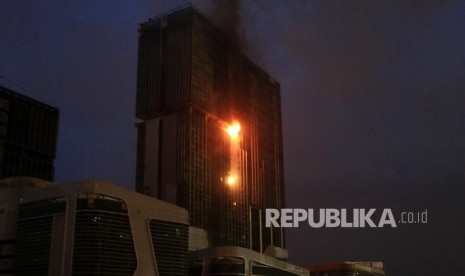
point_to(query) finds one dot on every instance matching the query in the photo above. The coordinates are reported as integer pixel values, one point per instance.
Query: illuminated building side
(209, 135)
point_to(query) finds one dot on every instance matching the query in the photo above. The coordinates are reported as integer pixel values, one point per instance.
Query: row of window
(103, 242)
(32, 127)
(18, 164)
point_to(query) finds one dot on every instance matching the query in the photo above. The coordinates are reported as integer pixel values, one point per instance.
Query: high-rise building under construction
(210, 134)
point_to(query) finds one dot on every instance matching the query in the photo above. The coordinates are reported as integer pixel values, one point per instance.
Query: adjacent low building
(232, 260)
(97, 228)
(88, 228)
(348, 269)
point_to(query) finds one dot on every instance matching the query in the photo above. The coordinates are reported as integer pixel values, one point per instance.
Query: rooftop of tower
(153, 21)
(185, 6)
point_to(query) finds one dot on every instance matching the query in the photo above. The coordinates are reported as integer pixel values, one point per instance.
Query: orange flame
(231, 180)
(233, 130)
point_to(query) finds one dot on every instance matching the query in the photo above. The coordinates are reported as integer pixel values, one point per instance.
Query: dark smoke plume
(226, 15)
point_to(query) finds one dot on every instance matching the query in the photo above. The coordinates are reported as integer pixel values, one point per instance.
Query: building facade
(210, 134)
(28, 136)
(88, 228)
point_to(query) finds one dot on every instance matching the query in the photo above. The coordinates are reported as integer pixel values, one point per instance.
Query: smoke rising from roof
(226, 14)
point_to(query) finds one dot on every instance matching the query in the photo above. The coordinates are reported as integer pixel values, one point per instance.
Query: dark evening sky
(373, 100)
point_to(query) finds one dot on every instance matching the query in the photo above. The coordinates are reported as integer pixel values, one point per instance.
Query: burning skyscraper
(210, 134)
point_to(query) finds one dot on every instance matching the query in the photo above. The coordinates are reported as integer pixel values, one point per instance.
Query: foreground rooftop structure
(97, 228)
(89, 227)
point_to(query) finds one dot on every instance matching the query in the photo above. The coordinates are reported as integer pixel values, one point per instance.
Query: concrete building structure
(239, 261)
(28, 136)
(96, 228)
(209, 135)
(88, 228)
(348, 269)
(10, 197)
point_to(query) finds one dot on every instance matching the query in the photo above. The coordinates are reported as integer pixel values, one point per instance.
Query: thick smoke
(227, 16)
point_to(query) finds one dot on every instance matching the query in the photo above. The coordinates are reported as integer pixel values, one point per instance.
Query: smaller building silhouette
(28, 136)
